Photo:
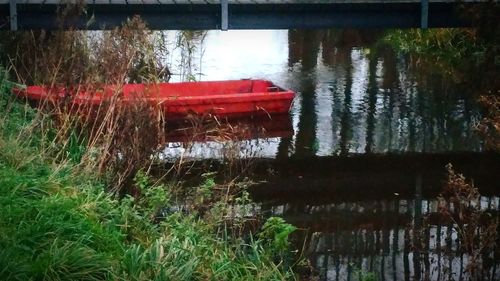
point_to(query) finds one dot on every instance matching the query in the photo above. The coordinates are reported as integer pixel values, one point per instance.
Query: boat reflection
(210, 137)
(214, 129)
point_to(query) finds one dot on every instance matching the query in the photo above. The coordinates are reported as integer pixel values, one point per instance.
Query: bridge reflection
(384, 237)
(366, 213)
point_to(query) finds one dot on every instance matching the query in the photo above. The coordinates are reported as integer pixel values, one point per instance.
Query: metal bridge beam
(224, 11)
(225, 15)
(424, 20)
(13, 14)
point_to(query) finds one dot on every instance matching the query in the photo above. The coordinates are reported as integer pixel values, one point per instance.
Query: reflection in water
(353, 95)
(371, 114)
(370, 222)
(374, 236)
(212, 138)
(304, 48)
(359, 99)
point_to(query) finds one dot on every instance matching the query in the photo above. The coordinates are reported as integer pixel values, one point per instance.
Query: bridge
(234, 14)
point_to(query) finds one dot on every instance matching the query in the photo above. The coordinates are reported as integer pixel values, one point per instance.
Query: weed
(477, 231)
(460, 206)
(58, 223)
(106, 138)
(275, 234)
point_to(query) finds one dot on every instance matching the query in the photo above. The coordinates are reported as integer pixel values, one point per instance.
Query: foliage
(206, 189)
(470, 56)
(130, 53)
(154, 196)
(103, 139)
(58, 162)
(444, 51)
(275, 233)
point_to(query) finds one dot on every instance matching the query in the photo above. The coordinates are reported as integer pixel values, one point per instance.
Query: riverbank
(60, 223)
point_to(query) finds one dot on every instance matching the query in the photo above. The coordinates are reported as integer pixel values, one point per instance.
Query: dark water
(361, 156)
(356, 213)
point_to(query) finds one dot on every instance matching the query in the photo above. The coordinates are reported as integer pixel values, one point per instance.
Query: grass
(59, 222)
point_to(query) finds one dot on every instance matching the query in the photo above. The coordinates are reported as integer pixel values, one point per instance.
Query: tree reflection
(304, 47)
(378, 103)
(371, 100)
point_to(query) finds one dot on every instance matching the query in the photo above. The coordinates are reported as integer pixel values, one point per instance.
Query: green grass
(445, 51)
(58, 223)
(457, 53)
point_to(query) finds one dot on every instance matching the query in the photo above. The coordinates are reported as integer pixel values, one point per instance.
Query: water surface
(353, 96)
(370, 133)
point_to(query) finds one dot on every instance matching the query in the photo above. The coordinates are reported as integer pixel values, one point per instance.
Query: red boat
(219, 98)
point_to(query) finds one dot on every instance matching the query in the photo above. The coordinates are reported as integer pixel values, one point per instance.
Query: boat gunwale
(40, 92)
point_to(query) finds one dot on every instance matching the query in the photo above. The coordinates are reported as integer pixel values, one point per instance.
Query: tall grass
(57, 222)
(104, 138)
(76, 199)
(470, 56)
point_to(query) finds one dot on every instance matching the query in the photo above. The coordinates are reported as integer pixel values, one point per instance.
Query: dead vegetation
(467, 229)
(114, 140)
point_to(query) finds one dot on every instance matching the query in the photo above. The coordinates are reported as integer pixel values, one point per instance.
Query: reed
(104, 139)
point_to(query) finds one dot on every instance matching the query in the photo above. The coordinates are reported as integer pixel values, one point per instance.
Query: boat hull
(178, 100)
